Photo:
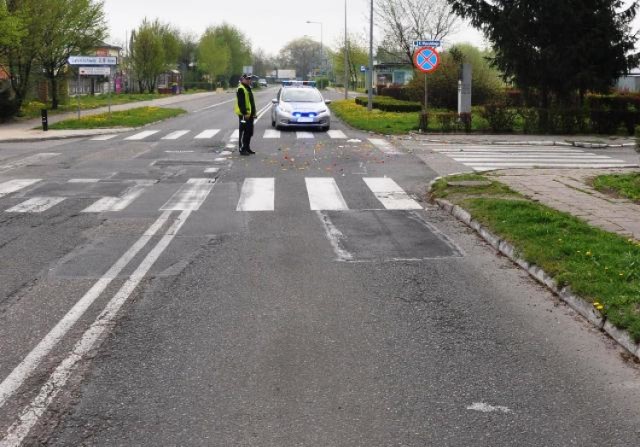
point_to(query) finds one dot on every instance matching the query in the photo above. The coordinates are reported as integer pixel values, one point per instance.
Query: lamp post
(370, 71)
(321, 44)
(346, 55)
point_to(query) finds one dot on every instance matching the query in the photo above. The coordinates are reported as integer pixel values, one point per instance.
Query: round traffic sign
(426, 59)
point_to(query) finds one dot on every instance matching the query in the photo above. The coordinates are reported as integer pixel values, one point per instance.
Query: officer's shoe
(245, 153)
(250, 151)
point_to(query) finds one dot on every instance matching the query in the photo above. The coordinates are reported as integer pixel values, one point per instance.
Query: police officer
(246, 111)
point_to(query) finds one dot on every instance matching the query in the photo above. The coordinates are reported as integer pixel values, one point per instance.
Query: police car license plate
(305, 120)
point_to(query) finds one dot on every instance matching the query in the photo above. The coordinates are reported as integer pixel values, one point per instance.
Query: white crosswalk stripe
(304, 135)
(36, 205)
(235, 136)
(119, 203)
(16, 185)
(258, 194)
(390, 194)
(324, 194)
(104, 137)
(271, 133)
(190, 195)
(175, 135)
(336, 134)
(384, 146)
(142, 135)
(485, 158)
(32, 159)
(206, 134)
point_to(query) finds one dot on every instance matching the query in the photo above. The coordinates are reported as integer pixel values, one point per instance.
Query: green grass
(620, 185)
(376, 120)
(601, 267)
(126, 118)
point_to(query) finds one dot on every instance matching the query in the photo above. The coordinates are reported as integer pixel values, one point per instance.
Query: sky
(269, 24)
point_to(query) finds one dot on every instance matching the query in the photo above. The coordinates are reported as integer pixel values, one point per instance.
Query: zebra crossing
(257, 194)
(486, 158)
(211, 133)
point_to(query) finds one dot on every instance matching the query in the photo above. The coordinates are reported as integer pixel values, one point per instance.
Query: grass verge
(126, 118)
(620, 185)
(602, 267)
(376, 120)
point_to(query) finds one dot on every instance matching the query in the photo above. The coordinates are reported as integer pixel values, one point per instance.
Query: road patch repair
(595, 272)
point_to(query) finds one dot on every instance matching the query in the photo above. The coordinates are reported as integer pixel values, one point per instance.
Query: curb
(581, 144)
(577, 303)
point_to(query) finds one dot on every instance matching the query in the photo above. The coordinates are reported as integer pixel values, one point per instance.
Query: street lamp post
(321, 43)
(370, 71)
(346, 55)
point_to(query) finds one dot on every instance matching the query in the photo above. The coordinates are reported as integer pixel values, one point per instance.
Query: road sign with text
(93, 60)
(427, 43)
(95, 71)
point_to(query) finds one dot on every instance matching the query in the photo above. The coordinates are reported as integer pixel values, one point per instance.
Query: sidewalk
(30, 130)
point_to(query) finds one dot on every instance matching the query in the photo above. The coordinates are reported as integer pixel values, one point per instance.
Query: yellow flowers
(597, 305)
(588, 253)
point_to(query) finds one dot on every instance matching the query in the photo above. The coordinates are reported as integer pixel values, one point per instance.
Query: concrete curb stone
(579, 304)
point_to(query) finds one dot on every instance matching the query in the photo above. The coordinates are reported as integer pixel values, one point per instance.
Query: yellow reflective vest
(247, 101)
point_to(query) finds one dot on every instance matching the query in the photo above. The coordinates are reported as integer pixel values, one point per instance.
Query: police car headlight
(285, 108)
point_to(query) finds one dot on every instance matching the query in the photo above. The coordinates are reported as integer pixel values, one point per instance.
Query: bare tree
(404, 21)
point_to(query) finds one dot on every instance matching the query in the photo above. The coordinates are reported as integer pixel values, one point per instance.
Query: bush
(609, 112)
(500, 117)
(8, 107)
(389, 104)
(322, 83)
(396, 92)
(637, 134)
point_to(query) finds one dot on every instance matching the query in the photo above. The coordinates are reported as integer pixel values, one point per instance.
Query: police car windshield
(301, 95)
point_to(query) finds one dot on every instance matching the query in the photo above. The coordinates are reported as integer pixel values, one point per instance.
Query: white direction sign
(93, 60)
(95, 71)
(427, 43)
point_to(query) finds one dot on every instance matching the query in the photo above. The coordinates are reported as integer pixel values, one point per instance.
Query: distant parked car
(262, 82)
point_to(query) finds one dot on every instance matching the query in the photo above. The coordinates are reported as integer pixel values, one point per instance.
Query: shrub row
(388, 104)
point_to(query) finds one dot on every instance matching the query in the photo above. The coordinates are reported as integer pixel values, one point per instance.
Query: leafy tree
(187, 57)
(557, 47)
(214, 55)
(155, 48)
(11, 29)
(303, 54)
(357, 55)
(263, 63)
(69, 27)
(404, 21)
(239, 48)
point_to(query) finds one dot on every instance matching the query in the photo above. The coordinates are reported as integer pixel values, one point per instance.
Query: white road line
(175, 135)
(324, 194)
(463, 148)
(258, 194)
(384, 146)
(84, 180)
(271, 133)
(531, 158)
(214, 105)
(390, 194)
(106, 204)
(304, 135)
(16, 185)
(486, 408)
(335, 236)
(235, 136)
(27, 161)
(104, 137)
(550, 165)
(142, 135)
(336, 134)
(190, 195)
(36, 205)
(211, 170)
(90, 341)
(262, 112)
(26, 368)
(209, 133)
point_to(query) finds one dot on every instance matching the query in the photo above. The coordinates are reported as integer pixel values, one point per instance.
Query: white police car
(300, 104)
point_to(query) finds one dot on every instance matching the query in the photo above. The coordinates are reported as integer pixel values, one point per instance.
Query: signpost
(93, 66)
(426, 59)
(427, 43)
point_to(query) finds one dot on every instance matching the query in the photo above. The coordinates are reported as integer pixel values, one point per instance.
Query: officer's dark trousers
(246, 132)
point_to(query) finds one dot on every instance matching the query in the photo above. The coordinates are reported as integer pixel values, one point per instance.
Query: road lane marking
(324, 194)
(106, 204)
(12, 186)
(175, 135)
(390, 194)
(142, 135)
(209, 133)
(258, 194)
(90, 341)
(262, 112)
(29, 364)
(104, 137)
(335, 237)
(27, 161)
(486, 408)
(304, 135)
(214, 105)
(84, 180)
(384, 146)
(235, 136)
(36, 205)
(190, 195)
(336, 134)
(211, 170)
(271, 133)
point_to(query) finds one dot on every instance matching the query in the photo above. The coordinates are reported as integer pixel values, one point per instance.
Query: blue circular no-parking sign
(426, 59)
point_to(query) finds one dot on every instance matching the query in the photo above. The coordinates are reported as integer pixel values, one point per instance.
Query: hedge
(388, 104)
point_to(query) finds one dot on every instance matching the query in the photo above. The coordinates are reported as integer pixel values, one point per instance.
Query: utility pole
(346, 55)
(370, 71)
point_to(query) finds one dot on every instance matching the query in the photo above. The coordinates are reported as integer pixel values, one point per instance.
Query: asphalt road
(303, 296)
